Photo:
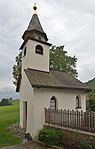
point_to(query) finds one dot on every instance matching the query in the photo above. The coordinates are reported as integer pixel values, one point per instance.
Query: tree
(91, 97)
(5, 102)
(59, 60)
(17, 68)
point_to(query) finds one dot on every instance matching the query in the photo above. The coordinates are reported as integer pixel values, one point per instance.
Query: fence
(72, 119)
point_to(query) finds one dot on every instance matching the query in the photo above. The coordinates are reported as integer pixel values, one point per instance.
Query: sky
(66, 22)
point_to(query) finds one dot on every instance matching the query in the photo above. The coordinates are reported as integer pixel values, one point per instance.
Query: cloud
(66, 22)
(88, 69)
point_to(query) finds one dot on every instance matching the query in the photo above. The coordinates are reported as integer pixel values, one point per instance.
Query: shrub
(50, 136)
(85, 145)
(5, 102)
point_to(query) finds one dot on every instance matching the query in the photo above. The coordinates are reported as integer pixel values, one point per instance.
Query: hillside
(91, 83)
(91, 95)
(8, 116)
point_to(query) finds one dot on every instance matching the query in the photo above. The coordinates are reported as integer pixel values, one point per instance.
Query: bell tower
(35, 48)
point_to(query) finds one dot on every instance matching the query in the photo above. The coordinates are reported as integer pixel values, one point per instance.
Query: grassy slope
(8, 116)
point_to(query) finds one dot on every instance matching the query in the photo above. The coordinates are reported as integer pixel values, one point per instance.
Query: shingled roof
(34, 27)
(54, 79)
(35, 24)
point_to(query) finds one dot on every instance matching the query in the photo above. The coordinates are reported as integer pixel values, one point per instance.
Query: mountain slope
(91, 84)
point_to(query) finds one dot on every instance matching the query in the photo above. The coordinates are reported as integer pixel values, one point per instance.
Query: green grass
(8, 116)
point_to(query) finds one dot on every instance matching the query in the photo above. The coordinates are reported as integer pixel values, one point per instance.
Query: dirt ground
(30, 145)
(34, 144)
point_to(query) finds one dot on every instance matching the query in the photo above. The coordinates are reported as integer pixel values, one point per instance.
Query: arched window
(53, 104)
(78, 102)
(24, 52)
(39, 49)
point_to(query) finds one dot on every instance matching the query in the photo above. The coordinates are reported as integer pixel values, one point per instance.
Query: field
(8, 116)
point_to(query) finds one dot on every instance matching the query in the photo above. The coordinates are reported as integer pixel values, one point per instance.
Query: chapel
(41, 87)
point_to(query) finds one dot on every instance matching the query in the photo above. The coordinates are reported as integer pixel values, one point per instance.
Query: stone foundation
(73, 137)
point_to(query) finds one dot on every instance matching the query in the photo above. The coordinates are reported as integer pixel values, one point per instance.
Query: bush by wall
(50, 136)
(85, 145)
(76, 139)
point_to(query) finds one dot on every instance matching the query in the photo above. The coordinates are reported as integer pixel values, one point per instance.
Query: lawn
(8, 116)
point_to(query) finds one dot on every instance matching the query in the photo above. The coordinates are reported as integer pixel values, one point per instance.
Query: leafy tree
(17, 68)
(5, 102)
(91, 97)
(59, 60)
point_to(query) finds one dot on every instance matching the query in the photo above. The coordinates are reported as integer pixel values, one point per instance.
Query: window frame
(39, 49)
(53, 103)
(24, 52)
(78, 102)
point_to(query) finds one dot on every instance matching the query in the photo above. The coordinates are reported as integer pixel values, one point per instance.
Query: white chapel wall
(26, 95)
(66, 100)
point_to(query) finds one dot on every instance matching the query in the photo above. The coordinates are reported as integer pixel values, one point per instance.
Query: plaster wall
(33, 60)
(26, 95)
(65, 99)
